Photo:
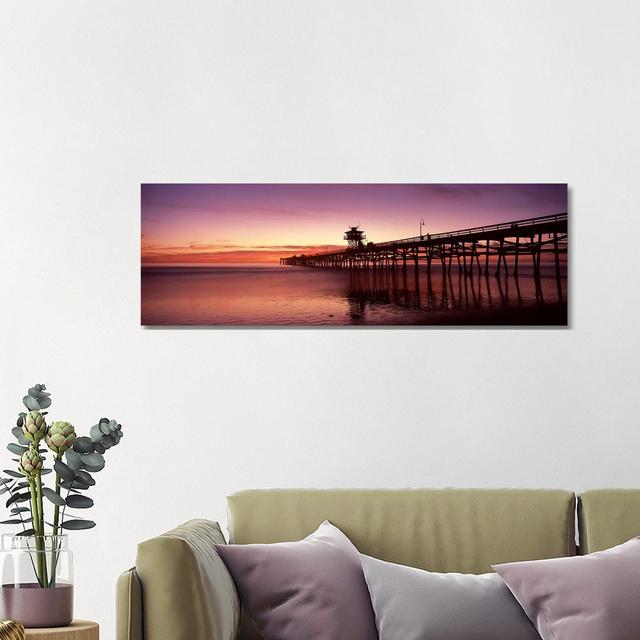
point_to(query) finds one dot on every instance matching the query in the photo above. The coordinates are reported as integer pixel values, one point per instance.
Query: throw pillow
(412, 604)
(592, 597)
(313, 588)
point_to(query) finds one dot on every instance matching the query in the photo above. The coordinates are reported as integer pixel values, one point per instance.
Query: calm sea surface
(275, 295)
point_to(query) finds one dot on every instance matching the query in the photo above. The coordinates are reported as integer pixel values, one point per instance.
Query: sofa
(180, 589)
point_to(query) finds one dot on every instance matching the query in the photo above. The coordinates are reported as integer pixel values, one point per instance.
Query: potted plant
(36, 564)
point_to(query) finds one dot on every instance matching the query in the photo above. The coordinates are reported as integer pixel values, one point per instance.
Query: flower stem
(56, 519)
(36, 526)
(45, 580)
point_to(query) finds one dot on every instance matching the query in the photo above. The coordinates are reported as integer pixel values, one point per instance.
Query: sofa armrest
(129, 606)
(187, 592)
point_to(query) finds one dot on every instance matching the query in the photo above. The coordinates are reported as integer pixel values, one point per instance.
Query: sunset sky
(261, 223)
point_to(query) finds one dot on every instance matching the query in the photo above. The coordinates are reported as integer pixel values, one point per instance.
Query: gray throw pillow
(412, 604)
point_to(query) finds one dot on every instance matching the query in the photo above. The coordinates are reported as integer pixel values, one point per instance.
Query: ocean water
(277, 295)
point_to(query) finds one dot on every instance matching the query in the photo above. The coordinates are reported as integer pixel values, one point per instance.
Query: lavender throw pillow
(412, 604)
(313, 588)
(593, 597)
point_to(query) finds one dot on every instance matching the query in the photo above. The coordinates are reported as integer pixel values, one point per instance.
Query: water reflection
(267, 295)
(440, 296)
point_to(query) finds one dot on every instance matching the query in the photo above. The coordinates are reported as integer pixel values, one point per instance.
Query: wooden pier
(479, 249)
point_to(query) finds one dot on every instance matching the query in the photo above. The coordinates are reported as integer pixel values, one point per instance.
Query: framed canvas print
(354, 254)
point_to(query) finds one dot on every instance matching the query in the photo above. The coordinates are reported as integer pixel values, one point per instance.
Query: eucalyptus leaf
(44, 472)
(16, 448)
(16, 510)
(27, 532)
(4, 490)
(11, 522)
(79, 502)
(23, 497)
(83, 445)
(5, 481)
(76, 525)
(14, 498)
(24, 441)
(74, 484)
(63, 470)
(52, 496)
(86, 478)
(74, 460)
(13, 474)
(95, 433)
(92, 469)
(99, 447)
(93, 459)
(31, 403)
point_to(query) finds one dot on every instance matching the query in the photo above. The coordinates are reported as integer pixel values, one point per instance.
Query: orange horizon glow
(249, 256)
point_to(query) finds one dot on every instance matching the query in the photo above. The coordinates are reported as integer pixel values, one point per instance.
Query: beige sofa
(180, 590)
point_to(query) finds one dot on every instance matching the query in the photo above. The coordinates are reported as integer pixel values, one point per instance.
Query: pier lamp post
(421, 225)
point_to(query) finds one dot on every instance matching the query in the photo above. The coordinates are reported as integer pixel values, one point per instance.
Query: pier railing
(518, 226)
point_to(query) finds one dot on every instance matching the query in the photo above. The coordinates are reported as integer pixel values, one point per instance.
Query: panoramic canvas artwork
(354, 254)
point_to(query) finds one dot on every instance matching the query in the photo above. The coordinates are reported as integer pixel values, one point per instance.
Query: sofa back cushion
(458, 530)
(446, 530)
(608, 517)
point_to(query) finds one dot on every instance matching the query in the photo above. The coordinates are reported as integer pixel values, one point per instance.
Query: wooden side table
(77, 630)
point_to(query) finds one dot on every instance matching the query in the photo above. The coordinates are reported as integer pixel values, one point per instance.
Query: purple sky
(232, 222)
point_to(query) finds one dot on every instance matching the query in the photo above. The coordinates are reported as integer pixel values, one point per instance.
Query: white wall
(97, 97)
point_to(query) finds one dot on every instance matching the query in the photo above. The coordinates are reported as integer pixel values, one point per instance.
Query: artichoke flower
(31, 463)
(33, 426)
(60, 436)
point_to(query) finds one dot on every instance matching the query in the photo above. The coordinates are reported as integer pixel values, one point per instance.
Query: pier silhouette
(489, 248)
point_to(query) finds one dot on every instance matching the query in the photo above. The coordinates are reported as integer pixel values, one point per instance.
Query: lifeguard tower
(355, 238)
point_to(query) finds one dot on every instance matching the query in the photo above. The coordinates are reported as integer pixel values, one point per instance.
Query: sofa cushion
(411, 604)
(313, 588)
(187, 591)
(608, 517)
(593, 597)
(461, 530)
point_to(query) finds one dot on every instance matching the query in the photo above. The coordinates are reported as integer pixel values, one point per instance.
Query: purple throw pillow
(592, 597)
(313, 588)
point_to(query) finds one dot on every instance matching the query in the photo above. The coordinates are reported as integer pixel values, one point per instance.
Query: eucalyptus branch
(56, 552)
(75, 460)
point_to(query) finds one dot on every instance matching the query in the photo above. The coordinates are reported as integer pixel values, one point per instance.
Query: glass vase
(37, 580)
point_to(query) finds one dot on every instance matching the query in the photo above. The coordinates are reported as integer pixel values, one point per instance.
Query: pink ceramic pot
(37, 607)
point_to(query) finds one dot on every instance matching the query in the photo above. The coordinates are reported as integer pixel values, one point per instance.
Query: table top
(77, 630)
